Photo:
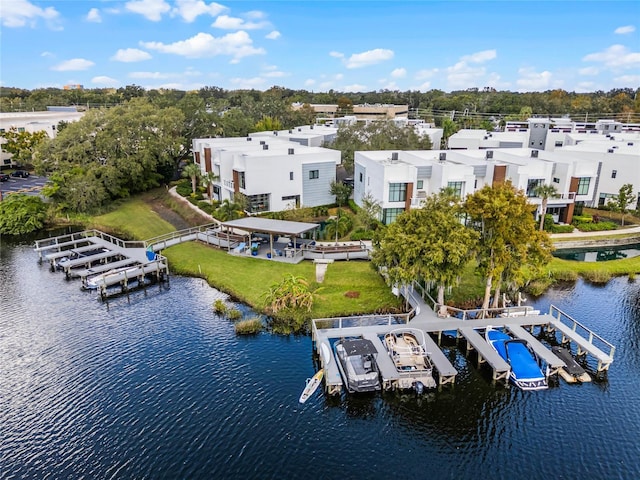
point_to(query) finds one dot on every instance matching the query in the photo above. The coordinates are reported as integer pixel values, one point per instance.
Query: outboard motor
(419, 386)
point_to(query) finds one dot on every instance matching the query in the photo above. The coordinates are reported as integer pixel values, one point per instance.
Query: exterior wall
(317, 191)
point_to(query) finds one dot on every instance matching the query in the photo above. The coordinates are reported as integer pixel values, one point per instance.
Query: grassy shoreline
(246, 279)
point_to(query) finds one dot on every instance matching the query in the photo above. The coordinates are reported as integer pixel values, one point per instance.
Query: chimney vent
(291, 151)
(249, 139)
(489, 155)
(611, 150)
(261, 142)
(394, 156)
(534, 153)
(265, 147)
(443, 156)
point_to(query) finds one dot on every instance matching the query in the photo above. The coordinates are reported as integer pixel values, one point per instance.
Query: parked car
(4, 177)
(20, 173)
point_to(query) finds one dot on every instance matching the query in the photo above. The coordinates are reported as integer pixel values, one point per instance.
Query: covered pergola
(252, 225)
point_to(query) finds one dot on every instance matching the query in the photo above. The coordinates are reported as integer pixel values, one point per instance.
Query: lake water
(157, 386)
(599, 254)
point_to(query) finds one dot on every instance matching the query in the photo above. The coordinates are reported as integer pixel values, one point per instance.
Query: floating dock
(469, 326)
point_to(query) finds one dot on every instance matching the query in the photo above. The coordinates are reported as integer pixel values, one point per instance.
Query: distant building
(73, 86)
(307, 135)
(362, 112)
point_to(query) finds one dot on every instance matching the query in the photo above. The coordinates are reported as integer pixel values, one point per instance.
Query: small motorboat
(312, 385)
(407, 349)
(357, 364)
(526, 372)
(129, 272)
(572, 372)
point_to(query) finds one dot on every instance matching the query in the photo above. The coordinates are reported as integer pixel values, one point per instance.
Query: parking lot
(31, 185)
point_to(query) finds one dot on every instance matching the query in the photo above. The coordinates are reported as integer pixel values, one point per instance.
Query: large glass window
(420, 184)
(259, 203)
(532, 184)
(457, 188)
(241, 179)
(583, 186)
(389, 215)
(397, 192)
(313, 174)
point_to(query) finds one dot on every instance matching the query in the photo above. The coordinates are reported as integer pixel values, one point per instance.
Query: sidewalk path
(577, 234)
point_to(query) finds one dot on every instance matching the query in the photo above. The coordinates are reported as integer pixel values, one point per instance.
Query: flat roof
(267, 225)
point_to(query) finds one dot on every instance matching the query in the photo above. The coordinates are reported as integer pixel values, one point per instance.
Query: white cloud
(94, 16)
(624, 30)
(427, 73)
(590, 71)
(255, 15)
(18, 13)
(47, 54)
(462, 75)
(150, 9)
(225, 22)
(583, 87)
(479, 57)
(129, 55)
(243, 83)
(105, 81)
(616, 56)
(628, 80)
(275, 74)
(424, 87)
(338, 76)
(531, 80)
(73, 64)
(326, 85)
(336, 54)
(310, 82)
(150, 75)
(237, 45)
(354, 88)
(272, 35)
(399, 73)
(370, 57)
(189, 10)
(386, 85)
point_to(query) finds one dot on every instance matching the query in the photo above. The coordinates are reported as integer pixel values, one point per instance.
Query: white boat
(357, 364)
(408, 351)
(129, 272)
(312, 385)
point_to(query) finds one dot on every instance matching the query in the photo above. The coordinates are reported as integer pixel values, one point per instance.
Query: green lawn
(247, 279)
(133, 219)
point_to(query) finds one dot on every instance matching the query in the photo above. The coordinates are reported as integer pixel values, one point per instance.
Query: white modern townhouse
(539, 133)
(400, 180)
(307, 135)
(269, 173)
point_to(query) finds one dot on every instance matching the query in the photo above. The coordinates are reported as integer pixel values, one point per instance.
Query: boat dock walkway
(93, 253)
(518, 321)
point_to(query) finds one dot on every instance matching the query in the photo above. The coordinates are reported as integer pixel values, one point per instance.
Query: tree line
(472, 104)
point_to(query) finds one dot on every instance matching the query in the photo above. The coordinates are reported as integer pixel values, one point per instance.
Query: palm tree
(545, 192)
(208, 179)
(192, 171)
(228, 210)
(338, 225)
(292, 293)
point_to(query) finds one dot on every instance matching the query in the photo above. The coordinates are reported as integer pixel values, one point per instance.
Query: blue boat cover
(515, 352)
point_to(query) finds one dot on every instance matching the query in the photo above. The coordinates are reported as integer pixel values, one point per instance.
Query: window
(420, 184)
(532, 184)
(290, 175)
(258, 203)
(558, 143)
(556, 180)
(241, 180)
(20, 129)
(614, 173)
(456, 187)
(360, 177)
(314, 174)
(583, 186)
(389, 215)
(397, 192)
(2, 130)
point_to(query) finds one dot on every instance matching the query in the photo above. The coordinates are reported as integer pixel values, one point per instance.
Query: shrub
(632, 277)
(562, 228)
(565, 276)
(219, 307)
(234, 314)
(361, 234)
(250, 326)
(582, 219)
(183, 187)
(596, 227)
(597, 276)
(538, 287)
(353, 206)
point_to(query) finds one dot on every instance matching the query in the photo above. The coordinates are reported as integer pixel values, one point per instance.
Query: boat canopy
(358, 346)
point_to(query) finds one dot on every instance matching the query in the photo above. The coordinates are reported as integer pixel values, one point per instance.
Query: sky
(347, 46)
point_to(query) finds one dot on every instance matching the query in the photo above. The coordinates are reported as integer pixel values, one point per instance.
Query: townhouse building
(267, 174)
(399, 181)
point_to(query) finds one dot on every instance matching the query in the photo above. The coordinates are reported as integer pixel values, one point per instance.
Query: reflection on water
(598, 254)
(158, 386)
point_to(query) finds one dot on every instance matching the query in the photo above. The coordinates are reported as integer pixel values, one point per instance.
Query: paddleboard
(325, 351)
(312, 385)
